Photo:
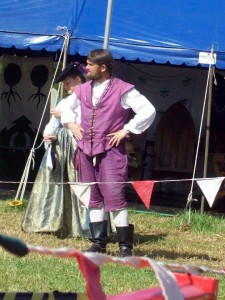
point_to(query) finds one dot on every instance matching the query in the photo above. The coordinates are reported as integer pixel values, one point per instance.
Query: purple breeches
(110, 173)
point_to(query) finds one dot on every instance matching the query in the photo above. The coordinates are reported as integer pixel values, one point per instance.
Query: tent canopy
(162, 31)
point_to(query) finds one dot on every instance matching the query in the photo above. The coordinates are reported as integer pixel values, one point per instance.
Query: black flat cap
(73, 69)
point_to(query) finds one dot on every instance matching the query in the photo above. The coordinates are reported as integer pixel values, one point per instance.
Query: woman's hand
(56, 113)
(49, 139)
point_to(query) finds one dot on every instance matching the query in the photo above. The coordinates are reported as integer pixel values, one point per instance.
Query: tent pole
(207, 131)
(108, 24)
(65, 56)
(64, 61)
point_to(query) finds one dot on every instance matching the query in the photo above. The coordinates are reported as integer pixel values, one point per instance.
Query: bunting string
(210, 187)
(116, 182)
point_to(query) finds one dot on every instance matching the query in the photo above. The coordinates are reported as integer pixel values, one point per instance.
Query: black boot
(99, 237)
(125, 239)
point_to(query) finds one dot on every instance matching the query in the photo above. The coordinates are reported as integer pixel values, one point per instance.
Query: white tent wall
(164, 86)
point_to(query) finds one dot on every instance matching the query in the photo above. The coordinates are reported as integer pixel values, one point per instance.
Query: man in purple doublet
(105, 103)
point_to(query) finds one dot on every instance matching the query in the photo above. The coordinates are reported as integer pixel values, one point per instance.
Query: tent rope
(23, 181)
(190, 198)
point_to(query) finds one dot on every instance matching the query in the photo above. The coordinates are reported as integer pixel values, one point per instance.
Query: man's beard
(95, 77)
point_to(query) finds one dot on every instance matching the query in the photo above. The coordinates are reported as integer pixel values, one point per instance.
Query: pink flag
(144, 190)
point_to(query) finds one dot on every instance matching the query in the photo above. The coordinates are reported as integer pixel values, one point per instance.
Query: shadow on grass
(140, 239)
(144, 238)
(174, 255)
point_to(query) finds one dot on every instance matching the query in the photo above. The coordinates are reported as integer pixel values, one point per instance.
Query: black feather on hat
(73, 69)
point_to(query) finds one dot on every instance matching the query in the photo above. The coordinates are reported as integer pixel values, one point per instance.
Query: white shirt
(143, 109)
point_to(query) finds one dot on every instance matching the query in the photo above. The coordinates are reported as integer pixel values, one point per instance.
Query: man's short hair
(102, 57)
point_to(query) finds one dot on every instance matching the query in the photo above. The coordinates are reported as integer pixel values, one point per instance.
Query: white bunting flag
(210, 188)
(83, 192)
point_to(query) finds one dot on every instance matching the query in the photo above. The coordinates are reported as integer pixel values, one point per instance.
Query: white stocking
(97, 214)
(120, 218)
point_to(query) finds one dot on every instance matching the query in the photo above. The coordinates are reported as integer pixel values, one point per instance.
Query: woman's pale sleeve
(68, 114)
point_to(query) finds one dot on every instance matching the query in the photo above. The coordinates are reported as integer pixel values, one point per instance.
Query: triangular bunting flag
(210, 188)
(144, 190)
(83, 192)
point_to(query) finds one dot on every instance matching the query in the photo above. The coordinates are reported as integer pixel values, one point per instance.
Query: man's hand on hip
(117, 137)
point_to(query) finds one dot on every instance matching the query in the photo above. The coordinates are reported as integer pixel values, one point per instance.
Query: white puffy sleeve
(144, 111)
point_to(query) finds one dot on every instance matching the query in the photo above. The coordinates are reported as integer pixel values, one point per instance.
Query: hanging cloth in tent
(24, 88)
(53, 206)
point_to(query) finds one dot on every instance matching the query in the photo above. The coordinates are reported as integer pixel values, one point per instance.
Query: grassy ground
(158, 235)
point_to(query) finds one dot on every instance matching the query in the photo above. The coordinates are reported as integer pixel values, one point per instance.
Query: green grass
(163, 237)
